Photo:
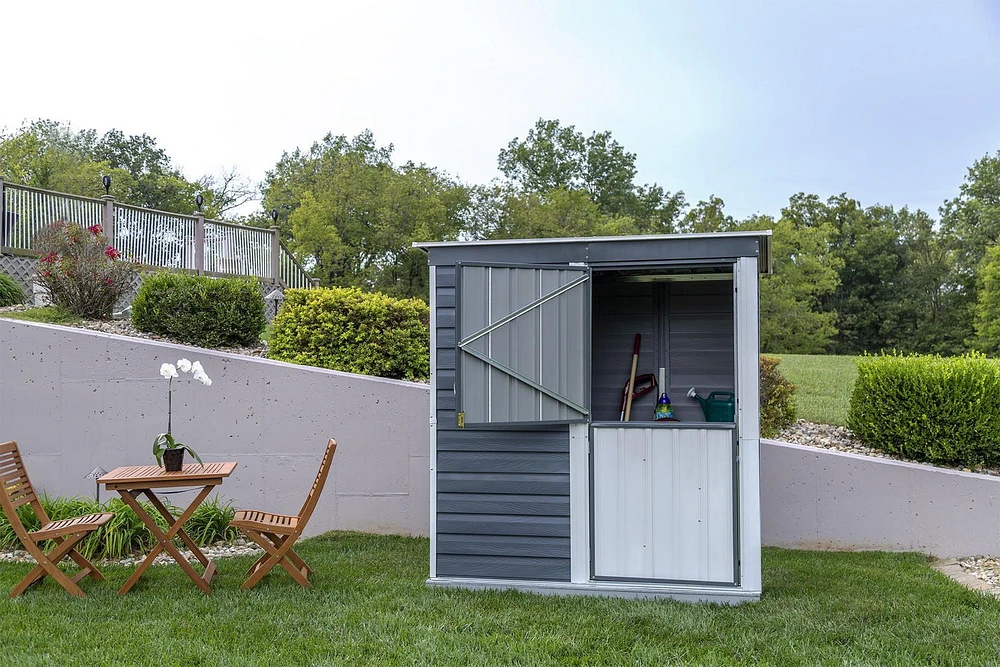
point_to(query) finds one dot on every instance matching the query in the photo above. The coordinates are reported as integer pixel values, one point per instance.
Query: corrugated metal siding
(663, 504)
(700, 324)
(686, 327)
(545, 344)
(502, 495)
(622, 310)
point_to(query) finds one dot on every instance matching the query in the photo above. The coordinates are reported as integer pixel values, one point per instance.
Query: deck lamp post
(199, 200)
(274, 215)
(106, 182)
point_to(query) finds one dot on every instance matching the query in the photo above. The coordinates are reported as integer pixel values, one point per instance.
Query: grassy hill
(824, 384)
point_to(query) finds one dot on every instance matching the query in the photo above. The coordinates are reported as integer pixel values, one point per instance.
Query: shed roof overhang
(608, 250)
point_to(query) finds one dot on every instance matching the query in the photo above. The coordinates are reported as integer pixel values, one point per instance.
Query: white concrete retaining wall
(76, 399)
(822, 499)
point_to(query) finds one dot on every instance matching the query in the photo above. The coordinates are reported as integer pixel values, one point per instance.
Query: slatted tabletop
(190, 474)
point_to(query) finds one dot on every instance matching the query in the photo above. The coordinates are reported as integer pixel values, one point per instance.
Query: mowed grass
(46, 314)
(370, 606)
(824, 385)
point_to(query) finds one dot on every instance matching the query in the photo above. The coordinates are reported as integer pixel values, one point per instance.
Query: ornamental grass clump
(80, 271)
(11, 293)
(943, 410)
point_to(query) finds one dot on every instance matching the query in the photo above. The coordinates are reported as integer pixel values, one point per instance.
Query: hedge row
(349, 330)
(929, 408)
(199, 310)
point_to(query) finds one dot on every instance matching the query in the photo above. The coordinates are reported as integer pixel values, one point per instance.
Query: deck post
(275, 256)
(199, 242)
(3, 216)
(108, 218)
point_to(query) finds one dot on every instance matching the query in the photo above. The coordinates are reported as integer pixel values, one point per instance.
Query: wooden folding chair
(276, 533)
(65, 533)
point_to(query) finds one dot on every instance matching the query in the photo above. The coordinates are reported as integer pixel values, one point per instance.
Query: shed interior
(685, 318)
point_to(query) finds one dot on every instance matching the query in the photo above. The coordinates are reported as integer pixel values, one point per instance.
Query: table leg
(165, 513)
(165, 540)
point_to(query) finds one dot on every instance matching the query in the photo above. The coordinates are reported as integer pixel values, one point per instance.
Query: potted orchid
(168, 452)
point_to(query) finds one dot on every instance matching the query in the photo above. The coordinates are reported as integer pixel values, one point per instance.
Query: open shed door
(524, 344)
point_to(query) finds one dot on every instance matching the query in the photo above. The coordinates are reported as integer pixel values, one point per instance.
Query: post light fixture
(106, 182)
(274, 215)
(199, 200)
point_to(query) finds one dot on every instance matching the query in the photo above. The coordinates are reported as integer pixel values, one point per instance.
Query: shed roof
(609, 249)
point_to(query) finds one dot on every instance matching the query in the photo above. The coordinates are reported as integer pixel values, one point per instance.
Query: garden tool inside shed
(642, 385)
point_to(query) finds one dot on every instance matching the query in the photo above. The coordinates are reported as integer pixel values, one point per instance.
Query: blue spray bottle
(663, 409)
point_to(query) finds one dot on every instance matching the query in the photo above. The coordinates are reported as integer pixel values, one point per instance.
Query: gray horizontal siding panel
(503, 567)
(703, 303)
(445, 276)
(503, 503)
(484, 524)
(445, 357)
(504, 545)
(446, 399)
(445, 337)
(446, 379)
(447, 419)
(502, 462)
(445, 318)
(445, 297)
(504, 441)
(471, 482)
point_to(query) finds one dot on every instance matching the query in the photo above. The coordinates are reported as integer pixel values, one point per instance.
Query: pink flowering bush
(80, 270)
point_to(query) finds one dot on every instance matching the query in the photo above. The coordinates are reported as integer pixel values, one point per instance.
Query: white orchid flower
(168, 371)
(184, 365)
(196, 368)
(204, 379)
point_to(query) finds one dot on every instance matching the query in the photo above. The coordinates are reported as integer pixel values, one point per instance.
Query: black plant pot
(173, 459)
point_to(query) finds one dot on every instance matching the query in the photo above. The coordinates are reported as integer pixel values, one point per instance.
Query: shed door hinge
(461, 420)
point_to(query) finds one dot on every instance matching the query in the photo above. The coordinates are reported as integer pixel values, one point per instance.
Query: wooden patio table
(131, 481)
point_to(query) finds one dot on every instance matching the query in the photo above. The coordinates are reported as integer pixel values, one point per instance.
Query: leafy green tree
(791, 320)
(352, 215)
(987, 320)
(555, 157)
(51, 155)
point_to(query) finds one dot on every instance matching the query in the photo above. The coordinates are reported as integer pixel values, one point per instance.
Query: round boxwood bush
(210, 312)
(11, 293)
(929, 408)
(349, 330)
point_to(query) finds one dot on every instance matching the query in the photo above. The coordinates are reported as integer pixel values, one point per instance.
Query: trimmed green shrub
(346, 329)
(777, 400)
(936, 409)
(210, 312)
(80, 271)
(11, 293)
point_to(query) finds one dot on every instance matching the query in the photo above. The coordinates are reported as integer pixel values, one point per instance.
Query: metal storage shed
(536, 484)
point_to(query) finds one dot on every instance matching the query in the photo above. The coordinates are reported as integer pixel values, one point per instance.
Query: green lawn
(824, 384)
(47, 314)
(370, 607)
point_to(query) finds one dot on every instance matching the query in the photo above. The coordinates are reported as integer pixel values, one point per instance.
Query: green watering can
(720, 406)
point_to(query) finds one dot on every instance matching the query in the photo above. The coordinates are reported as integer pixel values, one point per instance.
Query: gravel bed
(222, 550)
(985, 568)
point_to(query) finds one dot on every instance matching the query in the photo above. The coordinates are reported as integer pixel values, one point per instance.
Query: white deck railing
(153, 238)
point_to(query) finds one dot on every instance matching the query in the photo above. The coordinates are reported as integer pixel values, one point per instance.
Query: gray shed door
(523, 344)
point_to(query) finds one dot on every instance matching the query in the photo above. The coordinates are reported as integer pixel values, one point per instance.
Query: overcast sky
(751, 101)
